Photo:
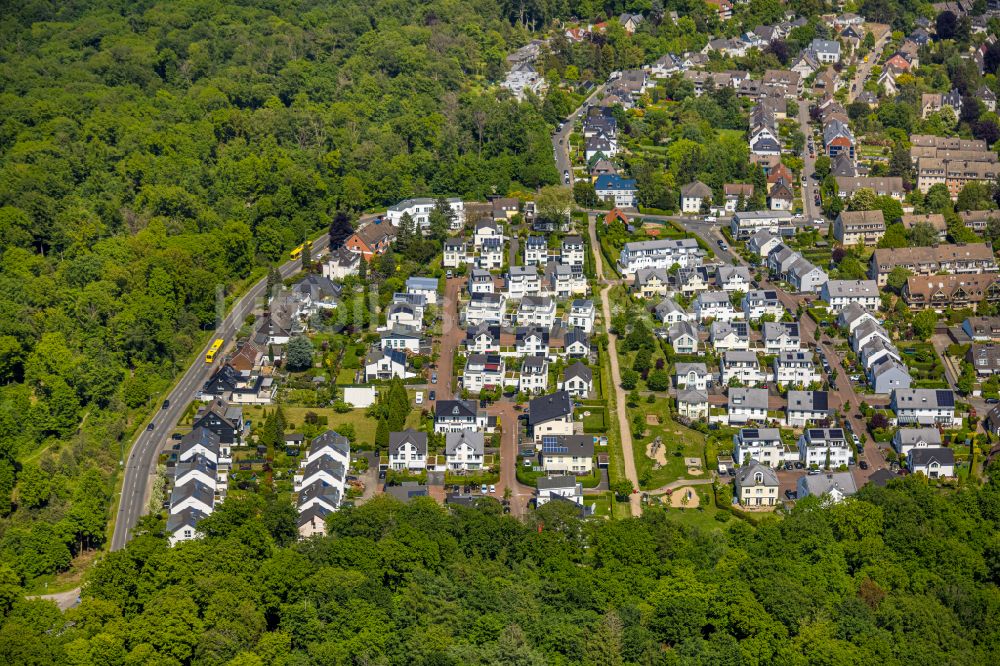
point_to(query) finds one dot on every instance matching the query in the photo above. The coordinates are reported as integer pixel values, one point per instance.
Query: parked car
(484, 489)
(813, 472)
(788, 467)
(992, 401)
(450, 274)
(419, 398)
(434, 378)
(799, 465)
(863, 464)
(493, 488)
(790, 494)
(432, 396)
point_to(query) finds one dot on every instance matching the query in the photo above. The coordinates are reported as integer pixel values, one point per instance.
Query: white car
(419, 398)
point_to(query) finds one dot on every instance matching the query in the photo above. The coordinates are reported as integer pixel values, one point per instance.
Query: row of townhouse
(536, 311)
(199, 479)
(551, 343)
(958, 259)
(951, 161)
(746, 405)
(489, 371)
(538, 253)
(879, 358)
(484, 249)
(320, 481)
(789, 265)
(650, 282)
(557, 280)
(940, 292)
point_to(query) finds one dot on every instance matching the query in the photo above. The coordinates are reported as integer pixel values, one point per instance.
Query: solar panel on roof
(945, 398)
(817, 434)
(820, 400)
(750, 433)
(837, 433)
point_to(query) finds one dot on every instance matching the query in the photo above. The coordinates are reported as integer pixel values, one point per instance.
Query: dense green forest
(152, 153)
(899, 575)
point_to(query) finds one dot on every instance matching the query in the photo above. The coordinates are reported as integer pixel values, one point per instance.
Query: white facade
(420, 211)
(684, 252)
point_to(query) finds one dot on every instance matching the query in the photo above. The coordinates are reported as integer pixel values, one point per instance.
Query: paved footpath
(616, 380)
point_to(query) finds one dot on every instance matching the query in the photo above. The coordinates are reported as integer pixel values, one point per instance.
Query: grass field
(364, 427)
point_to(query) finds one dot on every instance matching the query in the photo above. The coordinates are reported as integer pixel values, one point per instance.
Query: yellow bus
(213, 350)
(297, 252)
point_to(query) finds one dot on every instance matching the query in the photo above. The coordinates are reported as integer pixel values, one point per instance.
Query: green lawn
(364, 427)
(602, 504)
(680, 443)
(616, 456)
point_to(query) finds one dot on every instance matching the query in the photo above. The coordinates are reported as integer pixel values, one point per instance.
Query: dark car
(177, 435)
(788, 467)
(732, 471)
(799, 465)
(150, 426)
(166, 403)
(992, 401)
(791, 494)
(432, 395)
(863, 464)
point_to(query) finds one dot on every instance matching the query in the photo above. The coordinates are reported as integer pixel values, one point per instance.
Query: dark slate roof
(196, 463)
(548, 407)
(409, 436)
(921, 457)
(315, 512)
(187, 518)
(224, 379)
(550, 482)
(332, 439)
(407, 491)
(324, 463)
(456, 409)
(579, 370)
(198, 490)
(881, 477)
(574, 445)
(319, 489)
(199, 435)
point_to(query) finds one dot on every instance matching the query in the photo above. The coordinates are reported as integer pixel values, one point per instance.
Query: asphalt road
(865, 69)
(560, 139)
(809, 186)
(140, 468)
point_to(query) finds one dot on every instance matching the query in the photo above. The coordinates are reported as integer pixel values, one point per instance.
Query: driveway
(451, 338)
(520, 494)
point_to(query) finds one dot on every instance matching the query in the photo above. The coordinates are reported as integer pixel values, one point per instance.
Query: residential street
(560, 139)
(521, 494)
(865, 69)
(140, 468)
(809, 185)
